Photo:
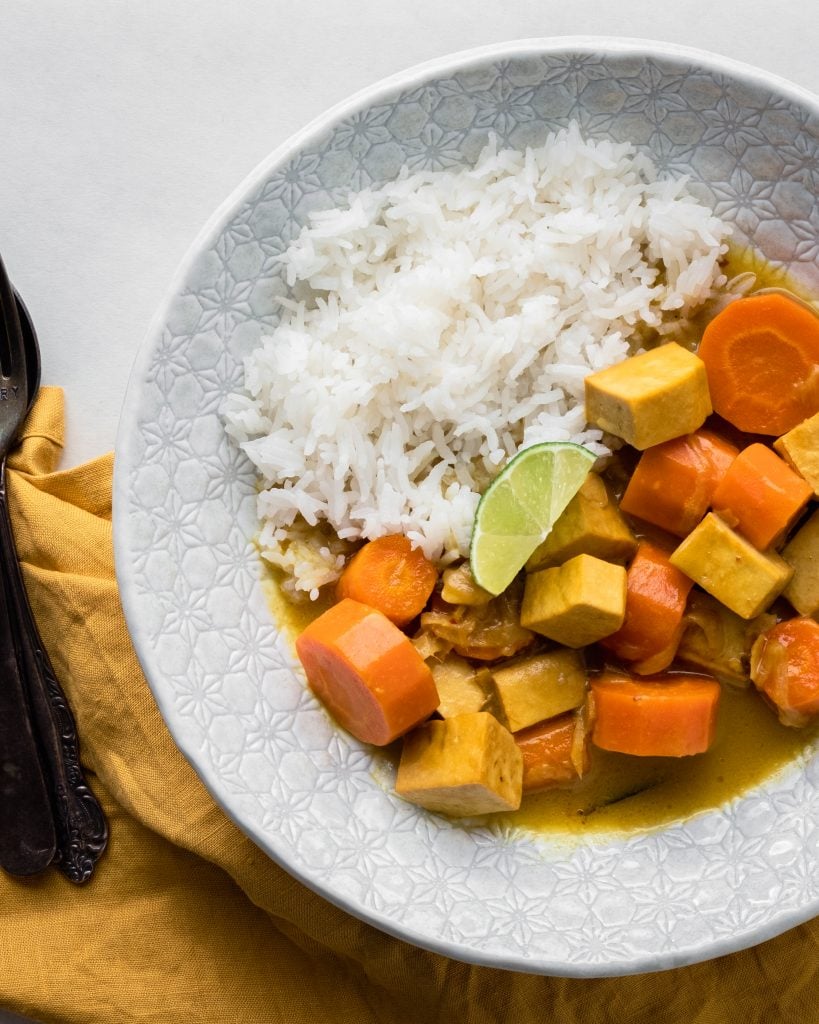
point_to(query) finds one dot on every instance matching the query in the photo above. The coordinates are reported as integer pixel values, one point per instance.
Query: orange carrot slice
(550, 753)
(785, 667)
(760, 496)
(673, 482)
(761, 355)
(666, 716)
(391, 575)
(366, 672)
(656, 595)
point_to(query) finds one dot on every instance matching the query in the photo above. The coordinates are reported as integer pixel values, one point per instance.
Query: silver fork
(81, 829)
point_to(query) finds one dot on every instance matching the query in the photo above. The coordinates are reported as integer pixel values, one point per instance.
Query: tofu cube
(459, 686)
(802, 555)
(539, 687)
(591, 524)
(730, 568)
(463, 766)
(576, 603)
(800, 449)
(651, 397)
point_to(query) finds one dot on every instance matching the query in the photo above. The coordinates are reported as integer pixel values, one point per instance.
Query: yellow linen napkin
(187, 921)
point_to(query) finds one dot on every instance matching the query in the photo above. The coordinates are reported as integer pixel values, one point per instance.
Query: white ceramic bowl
(222, 672)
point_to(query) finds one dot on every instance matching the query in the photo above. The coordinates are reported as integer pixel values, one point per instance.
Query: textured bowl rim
(379, 91)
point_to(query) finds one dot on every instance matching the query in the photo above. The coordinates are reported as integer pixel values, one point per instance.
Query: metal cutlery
(27, 831)
(78, 826)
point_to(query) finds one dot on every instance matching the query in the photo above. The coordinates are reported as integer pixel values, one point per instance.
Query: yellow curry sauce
(621, 793)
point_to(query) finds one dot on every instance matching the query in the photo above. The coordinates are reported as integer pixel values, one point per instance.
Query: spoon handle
(27, 836)
(82, 832)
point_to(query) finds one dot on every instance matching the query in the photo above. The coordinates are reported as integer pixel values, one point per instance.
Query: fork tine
(32, 346)
(14, 391)
(11, 355)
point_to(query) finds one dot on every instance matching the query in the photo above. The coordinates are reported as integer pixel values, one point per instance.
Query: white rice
(449, 321)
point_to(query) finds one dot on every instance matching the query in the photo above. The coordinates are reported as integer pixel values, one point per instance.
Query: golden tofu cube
(459, 686)
(800, 449)
(462, 766)
(651, 397)
(591, 524)
(576, 603)
(802, 555)
(539, 687)
(730, 568)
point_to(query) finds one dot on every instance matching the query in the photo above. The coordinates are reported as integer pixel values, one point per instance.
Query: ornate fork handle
(82, 831)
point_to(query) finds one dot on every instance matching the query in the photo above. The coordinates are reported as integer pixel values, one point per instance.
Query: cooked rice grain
(452, 318)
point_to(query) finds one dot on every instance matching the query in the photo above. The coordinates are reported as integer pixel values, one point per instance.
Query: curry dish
(560, 663)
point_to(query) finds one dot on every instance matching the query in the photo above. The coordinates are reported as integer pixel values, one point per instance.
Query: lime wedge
(520, 507)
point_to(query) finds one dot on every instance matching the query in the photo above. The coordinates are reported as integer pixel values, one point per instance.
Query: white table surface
(124, 123)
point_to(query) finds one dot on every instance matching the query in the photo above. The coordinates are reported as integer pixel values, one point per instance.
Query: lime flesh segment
(520, 507)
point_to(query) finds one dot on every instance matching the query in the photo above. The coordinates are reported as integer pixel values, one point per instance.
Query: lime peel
(521, 505)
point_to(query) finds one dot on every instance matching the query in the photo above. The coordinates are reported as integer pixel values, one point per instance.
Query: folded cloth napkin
(185, 920)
